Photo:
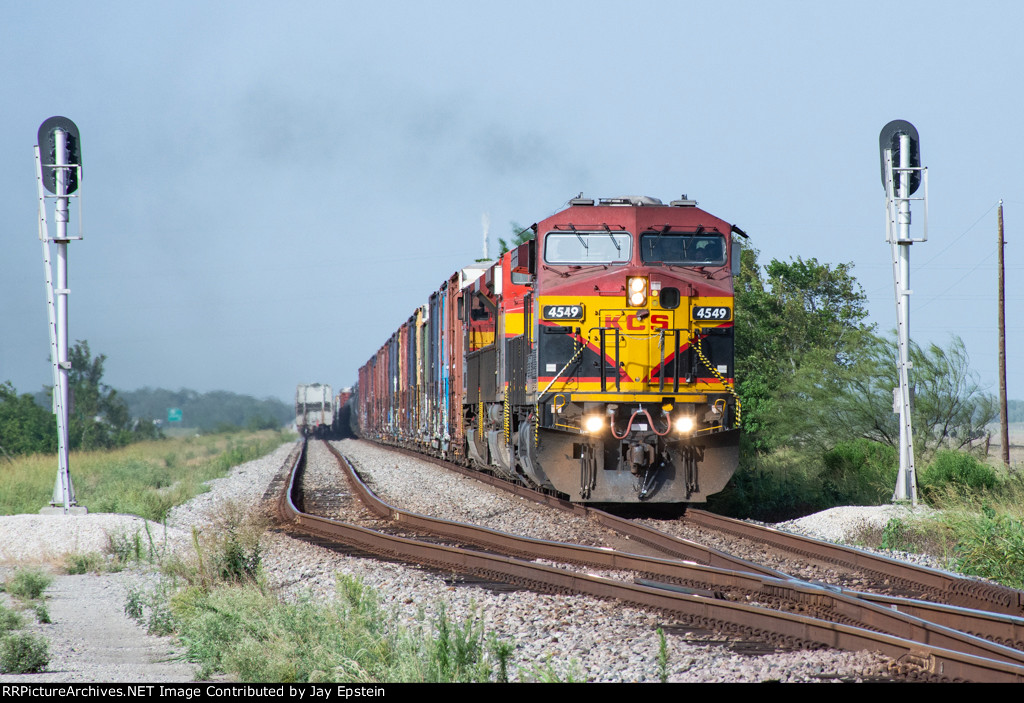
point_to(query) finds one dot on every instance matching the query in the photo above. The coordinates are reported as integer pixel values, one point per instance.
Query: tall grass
(216, 602)
(985, 528)
(245, 631)
(145, 479)
(979, 529)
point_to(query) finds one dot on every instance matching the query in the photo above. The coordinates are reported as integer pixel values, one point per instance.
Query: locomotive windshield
(683, 249)
(587, 248)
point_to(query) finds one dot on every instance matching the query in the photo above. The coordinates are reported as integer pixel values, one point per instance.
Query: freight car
(314, 410)
(342, 408)
(595, 360)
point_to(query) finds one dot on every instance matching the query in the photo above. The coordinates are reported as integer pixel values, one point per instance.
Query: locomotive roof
(634, 214)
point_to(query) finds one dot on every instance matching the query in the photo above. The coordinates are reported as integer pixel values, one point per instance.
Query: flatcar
(594, 361)
(314, 410)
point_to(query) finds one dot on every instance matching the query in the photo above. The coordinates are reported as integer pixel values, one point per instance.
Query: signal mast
(59, 171)
(902, 174)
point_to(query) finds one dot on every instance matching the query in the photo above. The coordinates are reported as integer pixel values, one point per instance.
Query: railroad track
(883, 575)
(710, 597)
(936, 585)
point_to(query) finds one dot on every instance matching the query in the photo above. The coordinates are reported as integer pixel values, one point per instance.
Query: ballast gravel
(575, 638)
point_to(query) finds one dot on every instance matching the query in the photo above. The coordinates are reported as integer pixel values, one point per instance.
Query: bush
(776, 488)
(9, 620)
(989, 545)
(956, 470)
(42, 613)
(28, 584)
(23, 653)
(859, 472)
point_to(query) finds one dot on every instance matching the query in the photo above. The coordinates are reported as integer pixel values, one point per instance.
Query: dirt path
(92, 640)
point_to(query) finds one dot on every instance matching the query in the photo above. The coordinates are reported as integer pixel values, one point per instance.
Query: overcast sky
(271, 188)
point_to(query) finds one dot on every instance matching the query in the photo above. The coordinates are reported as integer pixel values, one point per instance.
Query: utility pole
(1004, 417)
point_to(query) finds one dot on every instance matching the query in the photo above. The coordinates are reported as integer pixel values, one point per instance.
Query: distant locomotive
(595, 360)
(314, 410)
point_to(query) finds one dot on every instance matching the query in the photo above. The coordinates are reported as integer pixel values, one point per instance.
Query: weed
(23, 653)
(42, 614)
(132, 548)
(133, 605)
(502, 651)
(28, 584)
(547, 673)
(151, 610)
(161, 619)
(237, 561)
(894, 536)
(457, 653)
(124, 547)
(230, 552)
(83, 563)
(662, 657)
(245, 631)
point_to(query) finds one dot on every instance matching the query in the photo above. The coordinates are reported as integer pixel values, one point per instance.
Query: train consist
(314, 410)
(595, 360)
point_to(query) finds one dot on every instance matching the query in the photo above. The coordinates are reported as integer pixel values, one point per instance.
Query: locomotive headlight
(636, 290)
(684, 424)
(593, 423)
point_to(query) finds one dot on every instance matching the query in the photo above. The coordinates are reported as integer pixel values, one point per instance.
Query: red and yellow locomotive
(595, 360)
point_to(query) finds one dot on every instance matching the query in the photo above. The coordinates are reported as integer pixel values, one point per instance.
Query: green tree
(797, 318)
(825, 404)
(99, 419)
(950, 405)
(520, 235)
(207, 411)
(25, 427)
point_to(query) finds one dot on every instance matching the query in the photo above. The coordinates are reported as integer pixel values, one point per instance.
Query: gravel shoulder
(92, 640)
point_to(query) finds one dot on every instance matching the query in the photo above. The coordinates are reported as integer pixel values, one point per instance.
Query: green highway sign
(174, 415)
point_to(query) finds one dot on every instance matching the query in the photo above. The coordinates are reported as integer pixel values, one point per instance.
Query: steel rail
(957, 591)
(952, 589)
(930, 658)
(997, 627)
(669, 545)
(827, 603)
